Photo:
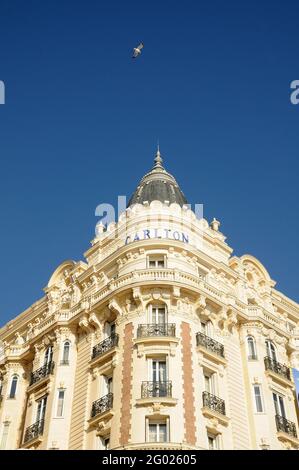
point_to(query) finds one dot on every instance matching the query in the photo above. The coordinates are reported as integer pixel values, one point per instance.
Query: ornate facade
(160, 339)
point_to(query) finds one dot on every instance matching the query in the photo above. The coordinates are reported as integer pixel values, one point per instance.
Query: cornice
(145, 278)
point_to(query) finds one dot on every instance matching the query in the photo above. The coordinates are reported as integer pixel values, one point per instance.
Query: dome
(158, 185)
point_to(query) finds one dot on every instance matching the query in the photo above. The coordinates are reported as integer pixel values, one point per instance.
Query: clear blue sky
(82, 119)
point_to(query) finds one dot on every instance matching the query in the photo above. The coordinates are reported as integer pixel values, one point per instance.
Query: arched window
(13, 386)
(251, 348)
(66, 353)
(48, 355)
(271, 351)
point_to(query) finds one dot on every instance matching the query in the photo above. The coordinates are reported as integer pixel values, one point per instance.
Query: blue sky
(82, 119)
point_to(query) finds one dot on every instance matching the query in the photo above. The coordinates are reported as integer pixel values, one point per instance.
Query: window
(157, 375)
(279, 405)
(210, 383)
(157, 431)
(213, 442)
(158, 370)
(13, 386)
(258, 398)
(60, 403)
(41, 409)
(291, 327)
(106, 443)
(4, 436)
(251, 348)
(157, 314)
(156, 261)
(109, 329)
(207, 328)
(107, 384)
(271, 351)
(66, 353)
(48, 355)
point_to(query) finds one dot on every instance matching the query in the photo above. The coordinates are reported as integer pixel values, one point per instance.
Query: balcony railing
(277, 367)
(34, 431)
(41, 373)
(156, 389)
(213, 402)
(102, 405)
(155, 329)
(284, 425)
(210, 344)
(105, 346)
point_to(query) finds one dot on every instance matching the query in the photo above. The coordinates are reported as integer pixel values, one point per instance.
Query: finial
(215, 224)
(158, 159)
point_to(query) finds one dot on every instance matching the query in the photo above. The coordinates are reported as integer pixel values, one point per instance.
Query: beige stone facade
(160, 339)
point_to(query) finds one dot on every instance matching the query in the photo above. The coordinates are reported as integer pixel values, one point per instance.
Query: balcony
(156, 392)
(156, 337)
(281, 371)
(41, 373)
(102, 406)
(286, 426)
(105, 346)
(210, 347)
(214, 407)
(156, 329)
(156, 389)
(214, 403)
(34, 432)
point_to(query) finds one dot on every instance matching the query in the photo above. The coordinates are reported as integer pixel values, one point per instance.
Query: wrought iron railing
(34, 431)
(213, 402)
(210, 344)
(284, 425)
(41, 373)
(105, 346)
(277, 367)
(156, 329)
(102, 405)
(156, 389)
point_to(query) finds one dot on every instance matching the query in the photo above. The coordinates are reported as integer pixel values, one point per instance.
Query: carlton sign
(164, 233)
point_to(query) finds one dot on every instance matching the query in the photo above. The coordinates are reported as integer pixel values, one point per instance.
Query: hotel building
(159, 339)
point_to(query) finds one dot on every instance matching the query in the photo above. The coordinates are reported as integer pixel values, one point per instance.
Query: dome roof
(158, 185)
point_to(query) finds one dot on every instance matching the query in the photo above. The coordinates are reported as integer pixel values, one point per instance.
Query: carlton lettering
(166, 233)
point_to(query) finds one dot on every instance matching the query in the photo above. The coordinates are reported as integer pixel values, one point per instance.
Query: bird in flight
(137, 50)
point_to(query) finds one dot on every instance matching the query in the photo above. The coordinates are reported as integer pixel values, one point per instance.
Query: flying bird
(137, 50)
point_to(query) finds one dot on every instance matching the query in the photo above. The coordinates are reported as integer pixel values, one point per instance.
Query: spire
(158, 159)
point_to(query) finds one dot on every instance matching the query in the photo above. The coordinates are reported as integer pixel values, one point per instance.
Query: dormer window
(156, 261)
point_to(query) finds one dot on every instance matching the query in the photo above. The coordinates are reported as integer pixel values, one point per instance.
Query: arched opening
(66, 353)
(251, 345)
(13, 386)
